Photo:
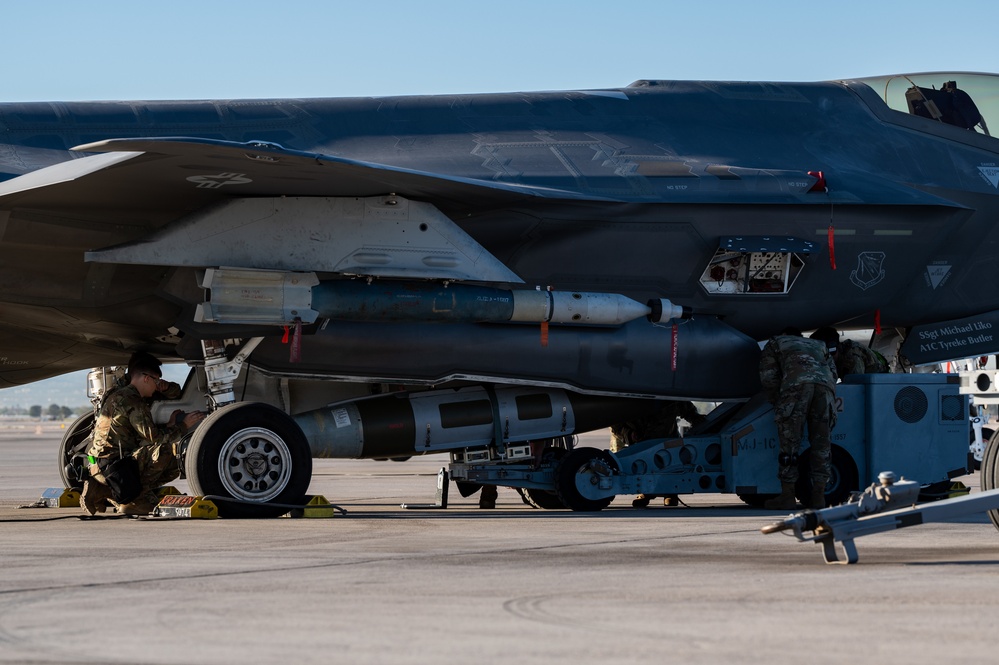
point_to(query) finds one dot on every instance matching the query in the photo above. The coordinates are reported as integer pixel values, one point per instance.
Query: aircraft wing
(182, 174)
(29, 355)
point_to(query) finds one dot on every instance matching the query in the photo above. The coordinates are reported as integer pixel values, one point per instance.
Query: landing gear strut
(248, 454)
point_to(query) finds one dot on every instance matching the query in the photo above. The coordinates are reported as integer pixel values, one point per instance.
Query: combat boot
(142, 506)
(784, 501)
(818, 497)
(642, 501)
(94, 497)
(488, 496)
(671, 500)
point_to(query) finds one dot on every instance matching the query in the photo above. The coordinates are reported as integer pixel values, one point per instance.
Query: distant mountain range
(66, 390)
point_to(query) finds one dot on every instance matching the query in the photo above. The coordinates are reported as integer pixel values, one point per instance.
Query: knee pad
(785, 459)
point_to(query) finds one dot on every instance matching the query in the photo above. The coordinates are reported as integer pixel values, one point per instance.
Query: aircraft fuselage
(622, 191)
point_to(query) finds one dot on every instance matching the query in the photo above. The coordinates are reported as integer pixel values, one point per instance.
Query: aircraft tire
(843, 480)
(575, 468)
(72, 452)
(990, 473)
(254, 453)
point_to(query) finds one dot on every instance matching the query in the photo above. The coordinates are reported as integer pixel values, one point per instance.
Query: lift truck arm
(881, 507)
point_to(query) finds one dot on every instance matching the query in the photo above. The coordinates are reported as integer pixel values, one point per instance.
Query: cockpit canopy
(962, 99)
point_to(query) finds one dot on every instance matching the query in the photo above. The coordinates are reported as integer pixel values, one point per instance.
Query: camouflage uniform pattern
(662, 423)
(125, 427)
(173, 391)
(799, 378)
(853, 358)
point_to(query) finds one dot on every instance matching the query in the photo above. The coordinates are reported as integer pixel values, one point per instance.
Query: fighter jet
(384, 277)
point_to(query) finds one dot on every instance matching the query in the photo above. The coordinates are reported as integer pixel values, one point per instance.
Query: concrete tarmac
(695, 584)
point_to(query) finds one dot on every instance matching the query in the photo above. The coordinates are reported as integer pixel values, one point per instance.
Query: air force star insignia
(218, 180)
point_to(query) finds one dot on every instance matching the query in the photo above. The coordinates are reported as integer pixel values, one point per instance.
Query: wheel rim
(979, 453)
(586, 480)
(255, 464)
(576, 483)
(832, 485)
(842, 477)
(72, 452)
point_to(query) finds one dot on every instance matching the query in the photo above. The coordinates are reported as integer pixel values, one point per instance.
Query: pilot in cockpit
(950, 105)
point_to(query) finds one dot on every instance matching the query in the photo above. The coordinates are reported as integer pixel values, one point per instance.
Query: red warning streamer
(296, 343)
(544, 334)
(877, 322)
(832, 247)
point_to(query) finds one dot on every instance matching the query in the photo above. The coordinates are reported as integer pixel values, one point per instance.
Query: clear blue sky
(114, 49)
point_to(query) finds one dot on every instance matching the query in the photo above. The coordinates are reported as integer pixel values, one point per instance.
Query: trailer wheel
(554, 451)
(253, 453)
(843, 478)
(73, 466)
(576, 481)
(974, 463)
(538, 498)
(990, 473)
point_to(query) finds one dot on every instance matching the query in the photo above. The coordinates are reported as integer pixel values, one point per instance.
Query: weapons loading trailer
(914, 424)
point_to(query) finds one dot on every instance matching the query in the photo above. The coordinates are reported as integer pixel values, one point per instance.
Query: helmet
(828, 335)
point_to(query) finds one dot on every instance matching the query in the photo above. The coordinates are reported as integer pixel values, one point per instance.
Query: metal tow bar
(881, 507)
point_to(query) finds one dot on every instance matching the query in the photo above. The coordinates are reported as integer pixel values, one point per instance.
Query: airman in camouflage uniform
(799, 379)
(660, 424)
(124, 428)
(853, 358)
(850, 357)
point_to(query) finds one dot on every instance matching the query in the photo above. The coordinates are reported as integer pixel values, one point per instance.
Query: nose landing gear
(253, 453)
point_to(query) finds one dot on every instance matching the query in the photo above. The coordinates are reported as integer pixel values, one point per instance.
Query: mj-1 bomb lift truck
(913, 424)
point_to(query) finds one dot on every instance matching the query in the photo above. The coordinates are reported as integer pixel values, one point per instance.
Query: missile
(463, 303)
(262, 297)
